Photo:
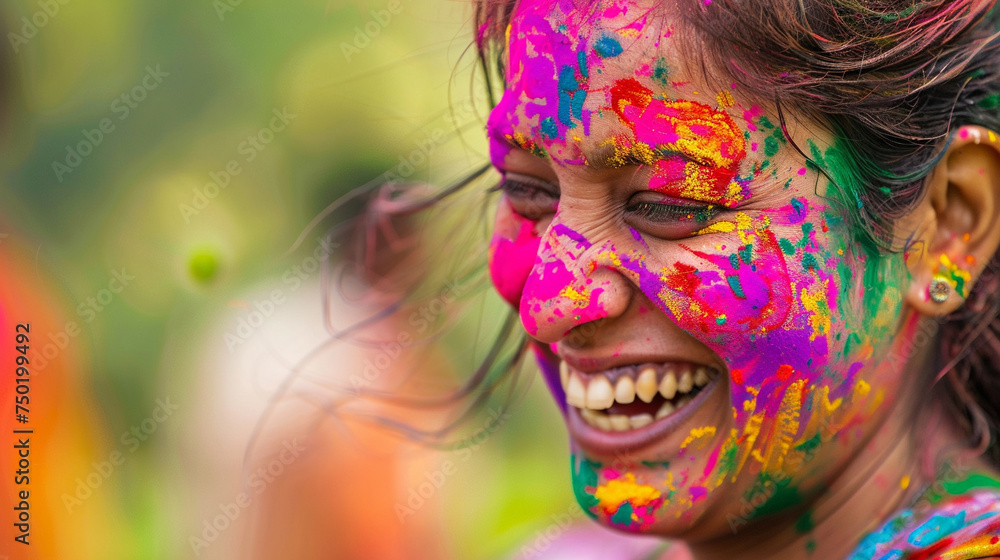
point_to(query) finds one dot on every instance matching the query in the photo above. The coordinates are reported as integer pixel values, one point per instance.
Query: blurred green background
(182, 89)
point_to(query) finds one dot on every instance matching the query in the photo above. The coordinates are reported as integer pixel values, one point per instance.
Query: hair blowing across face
(893, 80)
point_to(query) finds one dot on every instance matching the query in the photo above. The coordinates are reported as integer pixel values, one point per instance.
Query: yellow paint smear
(614, 493)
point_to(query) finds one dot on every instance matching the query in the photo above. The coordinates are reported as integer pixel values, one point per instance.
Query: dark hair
(893, 80)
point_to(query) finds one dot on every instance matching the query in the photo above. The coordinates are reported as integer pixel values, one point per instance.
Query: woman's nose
(573, 281)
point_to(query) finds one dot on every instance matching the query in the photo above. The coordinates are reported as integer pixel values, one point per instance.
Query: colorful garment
(962, 523)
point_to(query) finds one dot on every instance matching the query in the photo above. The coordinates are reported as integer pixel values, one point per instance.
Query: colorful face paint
(964, 523)
(695, 150)
(688, 232)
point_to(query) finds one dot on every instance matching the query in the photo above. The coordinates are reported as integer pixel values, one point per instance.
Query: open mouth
(633, 397)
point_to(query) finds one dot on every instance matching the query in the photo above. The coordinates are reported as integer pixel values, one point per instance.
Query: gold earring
(939, 289)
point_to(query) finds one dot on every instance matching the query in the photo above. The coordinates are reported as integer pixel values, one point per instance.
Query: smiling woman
(753, 247)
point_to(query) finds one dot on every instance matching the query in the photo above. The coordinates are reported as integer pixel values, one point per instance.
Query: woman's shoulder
(956, 522)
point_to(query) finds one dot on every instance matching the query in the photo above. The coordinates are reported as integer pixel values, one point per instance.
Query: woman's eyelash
(655, 211)
(517, 185)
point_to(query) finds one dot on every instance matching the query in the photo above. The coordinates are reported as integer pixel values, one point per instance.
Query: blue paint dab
(736, 287)
(607, 47)
(571, 98)
(798, 206)
(549, 128)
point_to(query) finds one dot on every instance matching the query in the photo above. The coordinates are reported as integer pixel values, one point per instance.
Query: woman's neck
(888, 475)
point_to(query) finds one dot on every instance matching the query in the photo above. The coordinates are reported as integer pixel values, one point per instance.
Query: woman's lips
(633, 406)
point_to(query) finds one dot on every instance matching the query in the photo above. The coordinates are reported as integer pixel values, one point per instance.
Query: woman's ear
(960, 223)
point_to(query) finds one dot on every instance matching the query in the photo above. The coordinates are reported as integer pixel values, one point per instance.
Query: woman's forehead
(576, 75)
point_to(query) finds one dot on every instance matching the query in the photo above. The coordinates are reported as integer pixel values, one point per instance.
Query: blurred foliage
(127, 122)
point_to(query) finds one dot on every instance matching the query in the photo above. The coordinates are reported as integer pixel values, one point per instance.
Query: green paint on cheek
(853, 339)
(806, 230)
(786, 246)
(584, 475)
(770, 146)
(734, 261)
(809, 263)
(736, 287)
(765, 122)
(720, 320)
(661, 72)
(624, 515)
(746, 253)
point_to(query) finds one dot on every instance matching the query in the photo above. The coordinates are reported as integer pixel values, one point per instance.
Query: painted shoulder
(956, 527)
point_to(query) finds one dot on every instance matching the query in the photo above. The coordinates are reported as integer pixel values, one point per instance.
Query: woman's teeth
(670, 385)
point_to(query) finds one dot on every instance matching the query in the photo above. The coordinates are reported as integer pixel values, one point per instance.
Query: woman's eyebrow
(608, 156)
(515, 140)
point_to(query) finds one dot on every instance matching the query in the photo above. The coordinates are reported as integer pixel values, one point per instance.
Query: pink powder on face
(511, 260)
(559, 278)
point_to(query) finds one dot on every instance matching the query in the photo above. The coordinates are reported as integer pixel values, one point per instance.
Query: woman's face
(707, 320)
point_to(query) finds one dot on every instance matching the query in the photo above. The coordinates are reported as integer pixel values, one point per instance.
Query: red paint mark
(785, 372)
(737, 376)
(931, 551)
(685, 280)
(629, 93)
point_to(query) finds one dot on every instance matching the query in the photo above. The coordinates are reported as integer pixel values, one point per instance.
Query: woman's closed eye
(666, 218)
(650, 212)
(530, 197)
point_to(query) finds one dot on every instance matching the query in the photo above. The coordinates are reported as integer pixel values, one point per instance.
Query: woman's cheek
(731, 294)
(512, 253)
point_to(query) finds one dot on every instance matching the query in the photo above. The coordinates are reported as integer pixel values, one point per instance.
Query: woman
(753, 247)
